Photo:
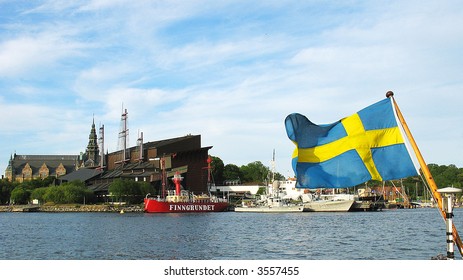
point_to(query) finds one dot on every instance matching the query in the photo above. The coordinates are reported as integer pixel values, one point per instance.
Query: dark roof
(116, 173)
(131, 169)
(82, 174)
(165, 142)
(101, 187)
(194, 141)
(138, 165)
(36, 162)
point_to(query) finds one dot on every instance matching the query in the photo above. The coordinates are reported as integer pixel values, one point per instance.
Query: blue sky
(228, 70)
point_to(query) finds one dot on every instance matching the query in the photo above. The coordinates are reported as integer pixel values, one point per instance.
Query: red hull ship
(153, 205)
(181, 201)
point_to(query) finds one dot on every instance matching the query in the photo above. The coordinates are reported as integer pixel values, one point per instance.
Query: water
(410, 234)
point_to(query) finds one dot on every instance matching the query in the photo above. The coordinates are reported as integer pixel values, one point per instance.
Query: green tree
(217, 171)
(255, 172)
(39, 194)
(55, 194)
(232, 172)
(446, 175)
(279, 177)
(5, 191)
(147, 188)
(39, 183)
(126, 190)
(50, 180)
(20, 195)
(72, 192)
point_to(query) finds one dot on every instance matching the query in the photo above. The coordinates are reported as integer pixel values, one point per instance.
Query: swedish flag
(365, 146)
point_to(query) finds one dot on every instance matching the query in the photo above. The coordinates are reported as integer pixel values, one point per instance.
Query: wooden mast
(424, 168)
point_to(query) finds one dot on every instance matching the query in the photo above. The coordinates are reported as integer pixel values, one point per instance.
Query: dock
(26, 208)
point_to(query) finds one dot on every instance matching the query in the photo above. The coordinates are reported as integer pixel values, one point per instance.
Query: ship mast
(101, 143)
(123, 137)
(273, 166)
(140, 147)
(427, 174)
(209, 168)
(275, 185)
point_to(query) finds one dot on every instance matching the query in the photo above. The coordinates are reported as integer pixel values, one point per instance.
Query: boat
(368, 200)
(330, 203)
(270, 205)
(316, 202)
(182, 201)
(274, 201)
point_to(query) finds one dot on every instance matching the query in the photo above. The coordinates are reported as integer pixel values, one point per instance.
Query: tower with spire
(92, 152)
(9, 172)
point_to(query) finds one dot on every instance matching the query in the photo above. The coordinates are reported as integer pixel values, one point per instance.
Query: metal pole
(424, 168)
(448, 195)
(163, 174)
(449, 223)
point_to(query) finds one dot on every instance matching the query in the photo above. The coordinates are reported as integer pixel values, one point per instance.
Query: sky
(230, 71)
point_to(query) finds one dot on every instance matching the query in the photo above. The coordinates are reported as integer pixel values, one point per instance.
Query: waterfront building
(150, 162)
(28, 167)
(153, 162)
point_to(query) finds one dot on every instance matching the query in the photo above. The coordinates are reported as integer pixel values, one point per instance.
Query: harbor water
(401, 234)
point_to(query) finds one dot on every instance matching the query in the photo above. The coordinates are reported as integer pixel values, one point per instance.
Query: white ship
(316, 202)
(270, 205)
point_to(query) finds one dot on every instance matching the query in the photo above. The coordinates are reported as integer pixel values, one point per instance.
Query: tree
(55, 194)
(217, 171)
(279, 177)
(255, 172)
(126, 190)
(5, 191)
(38, 183)
(147, 188)
(446, 176)
(39, 194)
(20, 195)
(72, 192)
(232, 172)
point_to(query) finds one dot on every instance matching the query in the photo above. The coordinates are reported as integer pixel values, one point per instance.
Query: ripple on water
(387, 235)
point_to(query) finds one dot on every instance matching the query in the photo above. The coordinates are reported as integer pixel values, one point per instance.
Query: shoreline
(70, 208)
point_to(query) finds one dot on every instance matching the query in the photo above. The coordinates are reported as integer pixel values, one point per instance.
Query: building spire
(92, 147)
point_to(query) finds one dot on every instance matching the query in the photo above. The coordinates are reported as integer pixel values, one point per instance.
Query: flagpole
(424, 168)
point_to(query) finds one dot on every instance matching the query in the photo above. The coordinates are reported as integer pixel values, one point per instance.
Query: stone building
(28, 167)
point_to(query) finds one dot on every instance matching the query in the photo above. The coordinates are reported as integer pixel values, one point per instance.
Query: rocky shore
(70, 208)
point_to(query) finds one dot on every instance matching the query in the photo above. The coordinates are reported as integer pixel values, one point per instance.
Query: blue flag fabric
(365, 146)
